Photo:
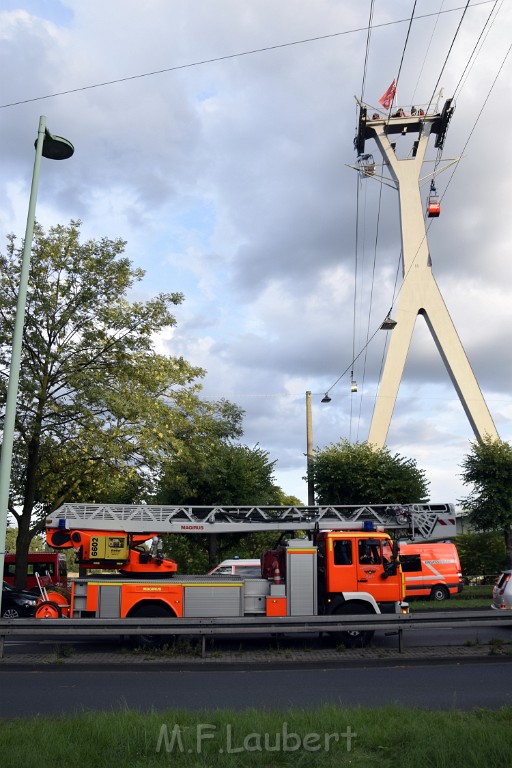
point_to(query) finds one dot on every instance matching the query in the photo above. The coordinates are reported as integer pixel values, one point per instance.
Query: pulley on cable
(433, 202)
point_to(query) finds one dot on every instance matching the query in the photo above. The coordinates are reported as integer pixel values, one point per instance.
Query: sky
(229, 170)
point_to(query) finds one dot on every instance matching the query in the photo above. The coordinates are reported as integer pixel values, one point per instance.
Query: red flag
(388, 97)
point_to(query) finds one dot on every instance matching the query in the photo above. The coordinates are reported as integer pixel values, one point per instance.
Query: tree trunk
(213, 548)
(22, 547)
(25, 535)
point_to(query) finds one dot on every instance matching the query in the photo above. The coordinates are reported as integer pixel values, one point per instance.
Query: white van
(248, 568)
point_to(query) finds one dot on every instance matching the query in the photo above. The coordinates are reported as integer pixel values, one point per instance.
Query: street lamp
(388, 323)
(54, 148)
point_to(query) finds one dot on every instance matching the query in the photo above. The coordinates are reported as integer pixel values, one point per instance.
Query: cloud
(231, 181)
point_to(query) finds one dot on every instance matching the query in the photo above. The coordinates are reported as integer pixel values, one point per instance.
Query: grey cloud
(263, 142)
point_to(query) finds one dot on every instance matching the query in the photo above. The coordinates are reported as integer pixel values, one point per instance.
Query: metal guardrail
(40, 630)
(481, 580)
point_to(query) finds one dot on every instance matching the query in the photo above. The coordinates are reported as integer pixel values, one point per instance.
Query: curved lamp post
(54, 148)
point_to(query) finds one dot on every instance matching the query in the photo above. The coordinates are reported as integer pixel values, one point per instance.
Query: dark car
(17, 602)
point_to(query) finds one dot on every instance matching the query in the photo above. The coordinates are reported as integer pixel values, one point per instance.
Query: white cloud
(230, 182)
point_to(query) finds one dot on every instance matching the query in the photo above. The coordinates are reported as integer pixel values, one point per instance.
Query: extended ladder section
(416, 521)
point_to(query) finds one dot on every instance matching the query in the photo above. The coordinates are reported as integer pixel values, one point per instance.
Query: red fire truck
(337, 566)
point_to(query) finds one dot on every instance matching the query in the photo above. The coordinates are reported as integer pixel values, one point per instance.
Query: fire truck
(340, 560)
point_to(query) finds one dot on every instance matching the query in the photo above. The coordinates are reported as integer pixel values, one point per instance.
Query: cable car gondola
(433, 202)
(366, 165)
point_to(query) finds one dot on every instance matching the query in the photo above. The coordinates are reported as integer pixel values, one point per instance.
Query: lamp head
(56, 147)
(388, 324)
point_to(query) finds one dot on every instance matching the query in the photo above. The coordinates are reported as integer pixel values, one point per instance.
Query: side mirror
(390, 569)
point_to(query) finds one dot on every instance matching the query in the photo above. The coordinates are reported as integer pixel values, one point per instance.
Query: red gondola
(433, 202)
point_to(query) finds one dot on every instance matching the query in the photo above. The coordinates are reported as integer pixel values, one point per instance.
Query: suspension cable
(448, 54)
(367, 52)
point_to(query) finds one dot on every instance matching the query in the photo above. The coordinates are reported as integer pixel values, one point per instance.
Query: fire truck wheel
(353, 638)
(439, 593)
(151, 612)
(48, 610)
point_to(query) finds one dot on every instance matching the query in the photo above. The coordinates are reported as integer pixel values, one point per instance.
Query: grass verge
(453, 604)
(471, 598)
(390, 736)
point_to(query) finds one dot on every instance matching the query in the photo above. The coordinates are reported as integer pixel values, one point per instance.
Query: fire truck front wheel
(152, 611)
(353, 638)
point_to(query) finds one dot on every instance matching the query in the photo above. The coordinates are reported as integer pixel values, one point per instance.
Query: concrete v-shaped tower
(420, 294)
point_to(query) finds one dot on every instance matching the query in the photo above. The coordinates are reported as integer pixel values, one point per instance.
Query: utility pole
(309, 449)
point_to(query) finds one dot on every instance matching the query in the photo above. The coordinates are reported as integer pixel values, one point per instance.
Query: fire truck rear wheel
(353, 638)
(152, 612)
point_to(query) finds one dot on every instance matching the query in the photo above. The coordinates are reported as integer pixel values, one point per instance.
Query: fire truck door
(342, 575)
(370, 570)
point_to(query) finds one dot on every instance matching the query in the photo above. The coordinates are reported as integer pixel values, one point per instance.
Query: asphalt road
(53, 689)
(435, 686)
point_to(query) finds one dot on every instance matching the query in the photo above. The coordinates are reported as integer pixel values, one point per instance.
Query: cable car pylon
(420, 294)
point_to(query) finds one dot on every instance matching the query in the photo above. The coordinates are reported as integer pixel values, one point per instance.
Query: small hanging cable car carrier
(366, 165)
(433, 202)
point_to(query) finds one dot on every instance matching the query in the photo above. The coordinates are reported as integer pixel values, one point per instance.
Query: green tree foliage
(227, 474)
(36, 545)
(481, 554)
(488, 468)
(222, 473)
(98, 410)
(345, 473)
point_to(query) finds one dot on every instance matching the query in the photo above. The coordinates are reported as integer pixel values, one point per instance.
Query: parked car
(17, 602)
(248, 568)
(502, 592)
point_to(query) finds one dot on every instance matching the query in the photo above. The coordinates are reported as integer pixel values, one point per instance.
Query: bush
(481, 554)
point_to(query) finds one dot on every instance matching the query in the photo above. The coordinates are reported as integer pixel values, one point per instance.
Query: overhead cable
(227, 57)
(485, 30)
(448, 55)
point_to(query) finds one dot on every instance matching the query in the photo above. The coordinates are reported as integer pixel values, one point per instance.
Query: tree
(98, 410)
(227, 474)
(488, 468)
(481, 553)
(220, 473)
(345, 473)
